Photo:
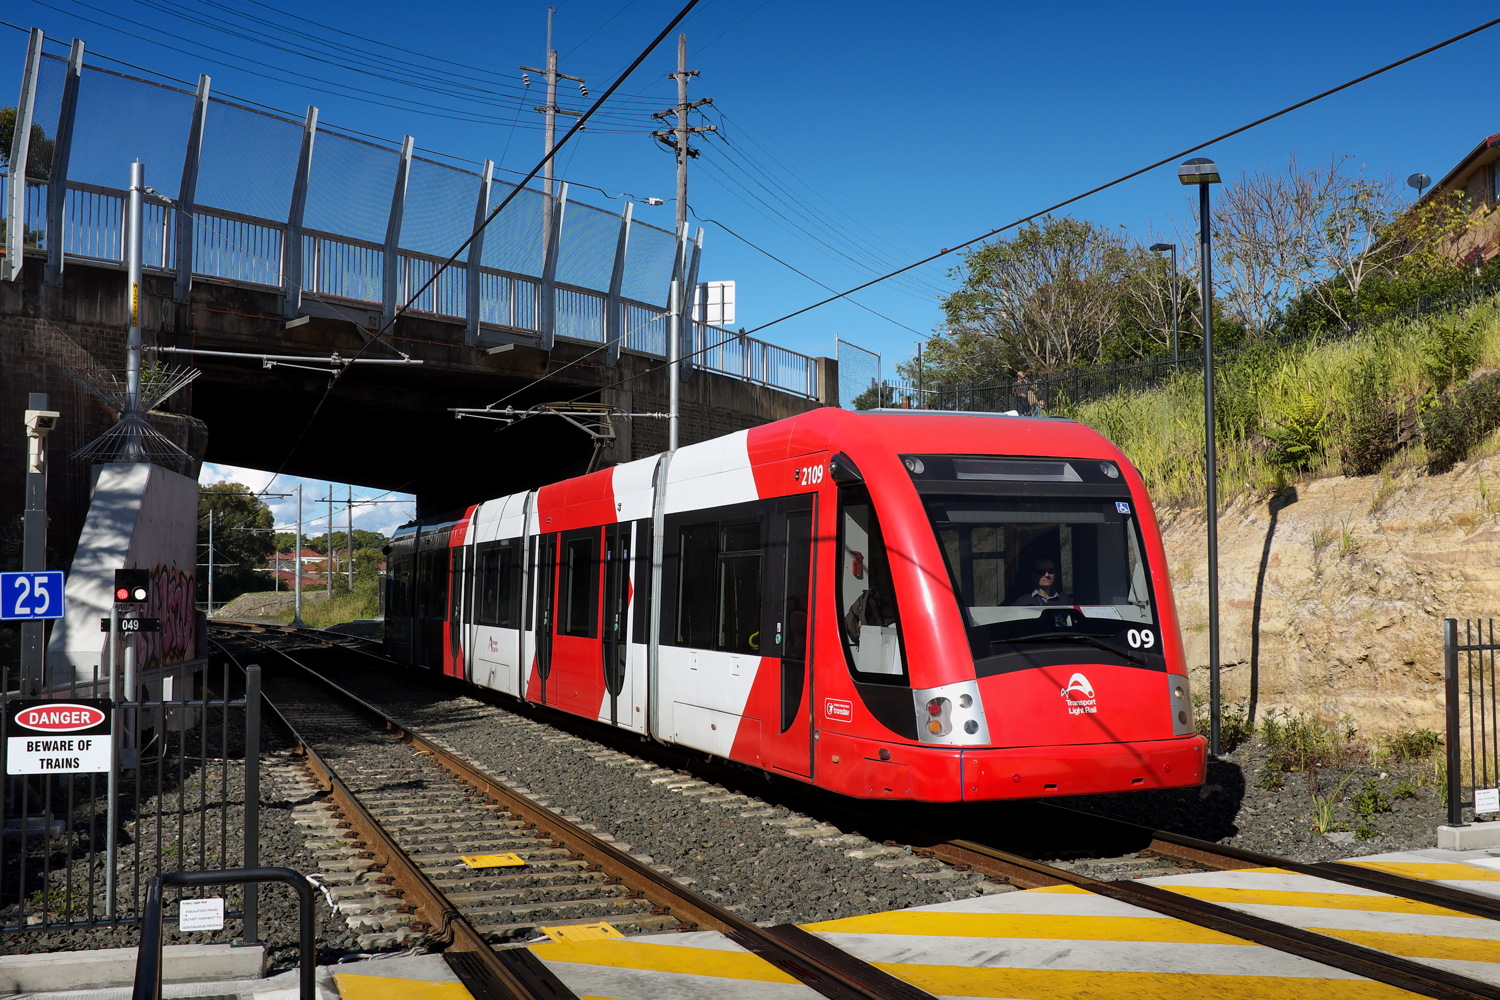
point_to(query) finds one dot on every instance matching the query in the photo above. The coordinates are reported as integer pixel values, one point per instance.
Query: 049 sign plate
(57, 737)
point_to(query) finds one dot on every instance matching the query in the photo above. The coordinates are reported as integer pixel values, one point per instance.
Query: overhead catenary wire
(577, 126)
(794, 270)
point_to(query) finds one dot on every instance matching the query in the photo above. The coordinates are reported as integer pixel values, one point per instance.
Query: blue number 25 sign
(37, 594)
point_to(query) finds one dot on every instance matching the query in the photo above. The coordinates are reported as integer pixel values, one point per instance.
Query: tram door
(787, 746)
(457, 652)
(546, 596)
(615, 646)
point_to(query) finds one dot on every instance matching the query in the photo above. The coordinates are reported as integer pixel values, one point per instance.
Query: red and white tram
(842, 598)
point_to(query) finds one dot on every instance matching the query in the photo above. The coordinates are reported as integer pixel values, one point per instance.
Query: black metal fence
(1473, 718)
(79, 849)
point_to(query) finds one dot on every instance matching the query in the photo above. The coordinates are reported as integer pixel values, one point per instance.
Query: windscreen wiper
(1090, 638)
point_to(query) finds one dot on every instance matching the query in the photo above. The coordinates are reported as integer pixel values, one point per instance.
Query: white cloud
(383, 517)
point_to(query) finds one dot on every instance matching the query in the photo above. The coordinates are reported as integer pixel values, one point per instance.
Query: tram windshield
(1045, 573)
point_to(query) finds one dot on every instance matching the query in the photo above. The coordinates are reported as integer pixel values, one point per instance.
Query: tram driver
(1045, 587)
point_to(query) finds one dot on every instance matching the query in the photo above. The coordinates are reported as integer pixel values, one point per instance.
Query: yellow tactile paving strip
(1063, 942)
(1434, 936)
(357, 987)
(701, 965)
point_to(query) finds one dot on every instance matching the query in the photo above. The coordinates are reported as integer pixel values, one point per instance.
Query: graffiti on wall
(171, 600)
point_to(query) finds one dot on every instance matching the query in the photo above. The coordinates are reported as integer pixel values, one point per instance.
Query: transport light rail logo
(838, 710)
(1079, 694)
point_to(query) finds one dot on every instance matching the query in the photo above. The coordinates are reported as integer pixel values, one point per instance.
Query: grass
(335, 610)
(1266, 401)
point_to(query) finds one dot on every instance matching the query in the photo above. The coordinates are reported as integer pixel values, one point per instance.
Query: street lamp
(1203, 172)
(1158, 248)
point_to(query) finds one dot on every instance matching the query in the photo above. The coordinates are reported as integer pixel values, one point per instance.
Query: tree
(242, 540)
(38, 151)
(875, 396)
(1045, 299)
(1306, 245)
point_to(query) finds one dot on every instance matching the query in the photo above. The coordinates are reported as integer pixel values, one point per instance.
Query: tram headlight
(1110, 469)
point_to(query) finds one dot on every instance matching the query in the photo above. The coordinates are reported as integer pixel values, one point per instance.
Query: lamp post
(1203, 172)
(1158, 248)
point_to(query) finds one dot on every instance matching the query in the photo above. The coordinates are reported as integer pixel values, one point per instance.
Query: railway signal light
(132, 585)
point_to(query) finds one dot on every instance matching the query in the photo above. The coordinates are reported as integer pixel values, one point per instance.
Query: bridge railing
(605, 281)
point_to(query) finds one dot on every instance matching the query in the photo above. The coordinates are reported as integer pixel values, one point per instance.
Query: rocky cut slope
(1333, 592)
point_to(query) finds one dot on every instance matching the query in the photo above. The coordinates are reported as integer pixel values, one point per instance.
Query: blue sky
(855, 138)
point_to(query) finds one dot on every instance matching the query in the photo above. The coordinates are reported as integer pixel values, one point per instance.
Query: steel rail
(830, 972)
(1393, 970)
(1026, 873)
(1348, 872)
(495, 973)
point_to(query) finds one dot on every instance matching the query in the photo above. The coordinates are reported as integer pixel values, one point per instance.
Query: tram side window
(719, 584)
(867, 594)
(432, 583)
(400, 585)
(497, 587)
(697, 558)
(508, 590)
(486, 581)
(739, 587)
(645, 552)
(580, 585)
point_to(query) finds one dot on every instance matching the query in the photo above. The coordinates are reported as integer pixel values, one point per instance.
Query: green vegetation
(1324, 820)
(1394, 396)
(238, 523)
(346, 604)
(1297, 742)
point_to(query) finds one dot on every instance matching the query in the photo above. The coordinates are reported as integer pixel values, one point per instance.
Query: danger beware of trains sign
(57, 737)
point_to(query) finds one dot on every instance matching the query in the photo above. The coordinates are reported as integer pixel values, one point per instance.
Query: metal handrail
(148, 953)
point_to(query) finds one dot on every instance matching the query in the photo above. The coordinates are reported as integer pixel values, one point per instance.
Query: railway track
(1114, 877)
(412, 803)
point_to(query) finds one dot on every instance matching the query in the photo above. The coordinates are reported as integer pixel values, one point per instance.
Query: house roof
(1488, 151)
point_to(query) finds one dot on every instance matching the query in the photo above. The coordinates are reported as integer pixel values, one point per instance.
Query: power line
(1134, 173)
(577, 126)
(1035, 215)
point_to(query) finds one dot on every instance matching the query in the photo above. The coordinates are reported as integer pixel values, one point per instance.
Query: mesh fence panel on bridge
(246, 176)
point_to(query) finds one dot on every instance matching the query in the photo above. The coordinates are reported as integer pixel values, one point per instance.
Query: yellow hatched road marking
(1025, 925)
(627, 954)
(1420, 945)
(1437, 870)
(1320, 900)
(355, 987)
(1063, 984)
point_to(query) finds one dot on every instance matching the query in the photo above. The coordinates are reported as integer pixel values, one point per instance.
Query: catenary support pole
(133, 249)
(297, 564)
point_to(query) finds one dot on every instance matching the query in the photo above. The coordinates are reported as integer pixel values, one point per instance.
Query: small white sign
(1486, 800)
(200, 914)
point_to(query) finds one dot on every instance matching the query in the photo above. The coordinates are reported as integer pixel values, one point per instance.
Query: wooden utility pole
(676, 139)
(550, 111)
